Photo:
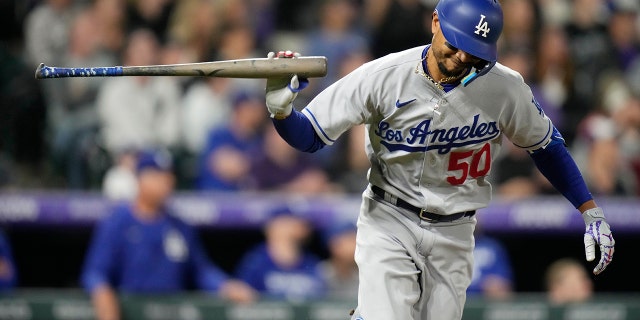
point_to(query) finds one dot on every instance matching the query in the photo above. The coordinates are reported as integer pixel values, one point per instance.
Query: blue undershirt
(297, 130)
(557, 165)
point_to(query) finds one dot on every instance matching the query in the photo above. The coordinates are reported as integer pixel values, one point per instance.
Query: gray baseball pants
(410, 269)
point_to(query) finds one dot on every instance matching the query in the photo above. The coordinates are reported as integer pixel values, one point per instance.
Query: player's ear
(435, 22)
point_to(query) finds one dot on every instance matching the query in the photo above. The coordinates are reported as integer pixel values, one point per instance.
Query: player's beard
(456, 73)
(448, 73)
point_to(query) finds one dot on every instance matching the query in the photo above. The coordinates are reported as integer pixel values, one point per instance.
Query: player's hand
(238, 292)
(281, 92)
(598, 232)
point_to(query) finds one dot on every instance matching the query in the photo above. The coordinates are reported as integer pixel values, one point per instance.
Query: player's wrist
(280, 112)
(587, 205)
(593, 214)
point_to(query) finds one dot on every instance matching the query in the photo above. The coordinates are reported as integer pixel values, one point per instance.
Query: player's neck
(432, 66)
(146, 210)
(284, 254)
(434, 72)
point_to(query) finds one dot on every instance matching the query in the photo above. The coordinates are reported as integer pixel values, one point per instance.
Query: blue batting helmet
(472, 26)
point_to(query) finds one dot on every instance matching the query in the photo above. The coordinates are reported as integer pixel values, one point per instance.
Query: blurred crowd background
(580, 57)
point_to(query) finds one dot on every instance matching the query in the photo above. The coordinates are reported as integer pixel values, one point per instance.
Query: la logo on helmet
(482, 26)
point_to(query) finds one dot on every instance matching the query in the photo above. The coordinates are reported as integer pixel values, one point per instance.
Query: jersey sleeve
(207, 276)
(526, 125)
(252, 268)
(342, 105)
(102, 256)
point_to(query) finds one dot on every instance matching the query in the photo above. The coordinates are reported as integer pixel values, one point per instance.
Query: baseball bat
(306, 67)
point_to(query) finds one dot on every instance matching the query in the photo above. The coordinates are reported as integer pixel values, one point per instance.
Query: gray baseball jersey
(430, 148)
(434, 150)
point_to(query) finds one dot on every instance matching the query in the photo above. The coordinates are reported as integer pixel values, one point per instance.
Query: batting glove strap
(281, 92)
(280, 96)
(598, 232)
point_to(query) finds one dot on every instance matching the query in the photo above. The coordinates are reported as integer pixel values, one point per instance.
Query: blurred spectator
(46, 39)
(238, 42)
(142, 248)
(262, 13)
(291, 15)
(567, 281)
(195, 25)
(174, 53)
(237, 12)
(76, 121)
(109, 18)
(623, 29)
(520, 24)
(120, 181)
(608, 140)
(150, 14)
(280, 167)
(335, 37)
(352, 177)
(554, 13)
(397, 25)
(552, 78)
(519, 58)
(591, 53)
(139, 112)
(515, 173)
(492, 272)
(280, 268)
(22, 123)
(46, 31)
(85, 49)
(8, 276)
(225, 162)
(206, 106)
(340, 271)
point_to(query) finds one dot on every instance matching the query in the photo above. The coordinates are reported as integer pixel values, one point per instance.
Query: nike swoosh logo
(402, 104)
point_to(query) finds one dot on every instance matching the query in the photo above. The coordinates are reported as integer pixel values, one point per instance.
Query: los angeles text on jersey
(421, 138)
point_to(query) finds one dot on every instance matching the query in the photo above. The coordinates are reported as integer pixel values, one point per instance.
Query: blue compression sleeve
(297, 130)
(557, 165)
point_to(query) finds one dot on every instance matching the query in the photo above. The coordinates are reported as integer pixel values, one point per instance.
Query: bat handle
(46, 72)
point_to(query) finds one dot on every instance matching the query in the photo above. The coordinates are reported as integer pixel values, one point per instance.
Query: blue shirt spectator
(335, 37)
(280, 268)
(492, 274)
(225, 162)
(339, 270)
(298, 281)
(7, 266)
(163, 255)
(141, 248)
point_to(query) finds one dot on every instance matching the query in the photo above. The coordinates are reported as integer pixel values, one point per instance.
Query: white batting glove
(281, 92)
(598, 232)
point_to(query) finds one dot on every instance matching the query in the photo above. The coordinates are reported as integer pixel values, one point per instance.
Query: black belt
(424, 215)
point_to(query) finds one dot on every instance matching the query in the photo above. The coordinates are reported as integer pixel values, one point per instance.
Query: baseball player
(435, 116)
